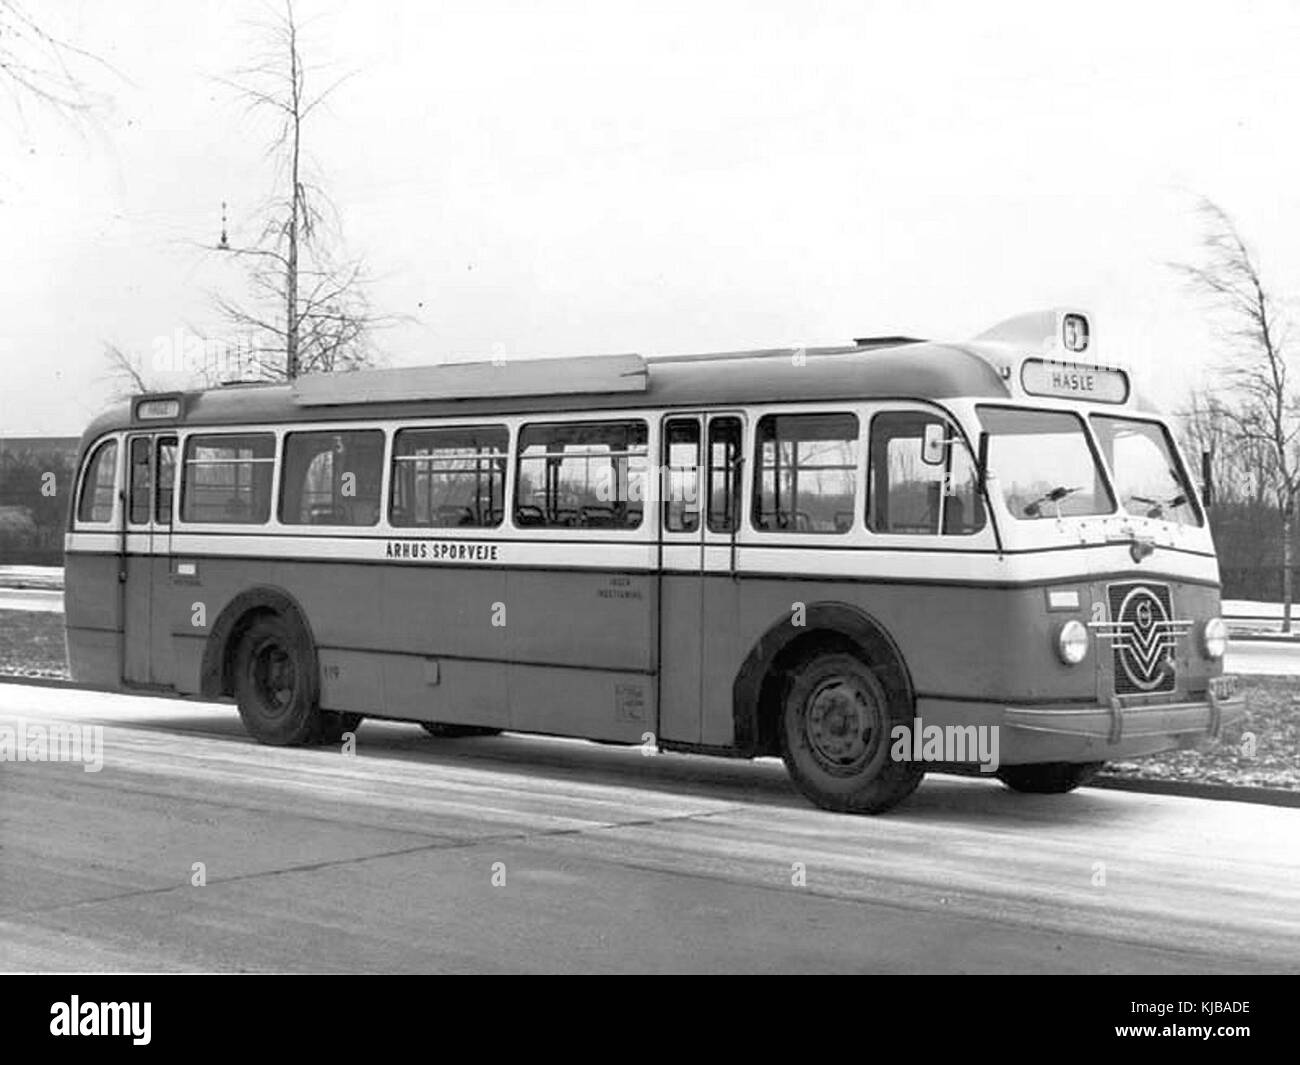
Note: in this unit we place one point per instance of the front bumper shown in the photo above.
(1124, 729)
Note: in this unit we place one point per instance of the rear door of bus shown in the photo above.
(150, 489)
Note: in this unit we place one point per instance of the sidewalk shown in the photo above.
(46, 577)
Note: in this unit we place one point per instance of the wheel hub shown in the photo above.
(840, 723)
(273, 674)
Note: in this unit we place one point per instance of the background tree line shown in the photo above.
(1246, 424)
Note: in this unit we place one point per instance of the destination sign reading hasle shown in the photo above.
(1074, 380)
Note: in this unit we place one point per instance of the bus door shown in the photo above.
(146, 565)
(700, 509)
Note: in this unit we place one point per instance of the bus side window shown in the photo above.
(581, 474)
(907, 496)
(166, 480)
(226, 478)
(98, 484)
(448, 478)
(140, 474)
(332, 478)
(805, 475)
(724, 474)
(682, 463)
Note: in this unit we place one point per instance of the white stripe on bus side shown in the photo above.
(884, 564)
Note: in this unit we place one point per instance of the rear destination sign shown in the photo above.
(1074, 380)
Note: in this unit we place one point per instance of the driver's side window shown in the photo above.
(906, 495)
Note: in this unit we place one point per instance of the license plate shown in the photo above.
(1223, 687)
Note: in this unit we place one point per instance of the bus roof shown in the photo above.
(900, 368)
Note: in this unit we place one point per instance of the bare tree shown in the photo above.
(311, 312)
(1260, 404)
(37, 65)
(124, 373)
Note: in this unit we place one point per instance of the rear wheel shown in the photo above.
(445, 731)
(274, 688)
(1048, 778)
(835, 736)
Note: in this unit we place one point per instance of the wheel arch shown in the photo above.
(216, 674)
(828, 626)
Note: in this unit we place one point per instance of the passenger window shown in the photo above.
(450, 478)
(584, 475)
(806, 473)
(724, 474)
(332, 478)
(682, 475)
(227, 478)
(908, 496)
(166, 479)
(140, 479)
(98, 484)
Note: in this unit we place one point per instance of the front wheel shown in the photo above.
(1048, 778)
(835, 736)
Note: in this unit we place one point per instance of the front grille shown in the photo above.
(1143, 635)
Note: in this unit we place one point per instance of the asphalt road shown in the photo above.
(604, 858)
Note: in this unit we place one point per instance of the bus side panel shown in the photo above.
(603, 626)
(418, 688)
(589, 703)
(680, 680)
(344, 606)
(956, 641)
(581, 618)
(433, 610)
(723, 640)
(92, 615)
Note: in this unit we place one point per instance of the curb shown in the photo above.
(1194, 790)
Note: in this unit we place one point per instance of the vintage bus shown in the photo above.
(804, 553)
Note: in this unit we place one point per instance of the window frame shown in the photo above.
(666, 469)
(113, 519)
(282, 481)
(647, 419)
(737, 475)
(183, 467)
(1194, 495)
(958, 432)
(756, 457)
(390, 471)
(161, 440)
(1095, 451)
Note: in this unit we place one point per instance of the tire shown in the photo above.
(1048, 778)
(275, 685)
(835, 736)
(445, 731)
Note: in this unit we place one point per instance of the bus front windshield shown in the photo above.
(1145, 470)
(1042, 464)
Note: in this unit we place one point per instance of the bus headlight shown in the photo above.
(1072, 643)
(1214, 638)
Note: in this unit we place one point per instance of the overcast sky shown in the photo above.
(556, 178)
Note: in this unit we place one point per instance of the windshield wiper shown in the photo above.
(1054, 496)
(1158, 505)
